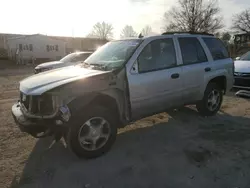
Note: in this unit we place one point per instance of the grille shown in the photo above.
(46, 105)
(40, 105)
(242, 82)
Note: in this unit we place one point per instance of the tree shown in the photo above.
(128, 31)
(241, 21)
(217, 34)
(225, 37)
(194, 16)
(147, 30)
(102, 30)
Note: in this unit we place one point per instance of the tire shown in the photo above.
(76, 125)
(203, 107)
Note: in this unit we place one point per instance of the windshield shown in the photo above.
(245, 57)
(113, 54)
(75, 57)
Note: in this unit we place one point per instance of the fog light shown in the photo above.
(65, 113)
(59, 122)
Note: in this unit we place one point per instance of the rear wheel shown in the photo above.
(92, 133)
(211, 102)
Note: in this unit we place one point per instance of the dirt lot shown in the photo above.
(173, 149)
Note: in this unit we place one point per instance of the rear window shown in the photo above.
(217, 48)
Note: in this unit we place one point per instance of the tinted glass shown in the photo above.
(217, 48)
(192, 51)
(158, 54)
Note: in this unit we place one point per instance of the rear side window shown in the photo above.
(217, 48)
(192, 51)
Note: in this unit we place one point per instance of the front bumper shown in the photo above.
(35, 127)
(19, 117)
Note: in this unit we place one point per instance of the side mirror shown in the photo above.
(237, 58)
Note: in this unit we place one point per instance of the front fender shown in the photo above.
(112, 98)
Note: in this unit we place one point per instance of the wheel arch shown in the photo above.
(112, 99)
(221, 81)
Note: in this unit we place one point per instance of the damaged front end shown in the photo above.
(41, 115)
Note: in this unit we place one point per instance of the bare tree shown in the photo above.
(225, 37)
(147, 30)
(128, 31)
(102, 30)
(194, 16)
(241, 21)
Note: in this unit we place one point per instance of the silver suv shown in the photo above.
(121, 82)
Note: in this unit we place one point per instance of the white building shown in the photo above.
(26, 48)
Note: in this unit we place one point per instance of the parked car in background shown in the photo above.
(242, 72)
(121, 82)
(69, 60)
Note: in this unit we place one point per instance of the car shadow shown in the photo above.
(168, 149)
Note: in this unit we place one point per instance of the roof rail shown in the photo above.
(188, 32)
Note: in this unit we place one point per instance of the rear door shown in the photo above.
(155, 78)
(195, 65)
(221, 64)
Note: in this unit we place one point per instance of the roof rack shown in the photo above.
(188, 32)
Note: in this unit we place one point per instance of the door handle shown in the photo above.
(207, 69)
(175, 75)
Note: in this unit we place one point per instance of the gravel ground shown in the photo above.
(172, 149)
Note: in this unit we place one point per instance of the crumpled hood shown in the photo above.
(242, 66)
(40, 83)
(49, 64)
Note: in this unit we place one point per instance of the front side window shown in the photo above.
(192, 51)
(158, 54)
(216, 48)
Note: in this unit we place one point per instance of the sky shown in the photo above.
(77, 17)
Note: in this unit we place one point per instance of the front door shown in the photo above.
(155, 80)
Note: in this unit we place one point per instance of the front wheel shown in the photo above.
(92, 133)
(212, 100)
